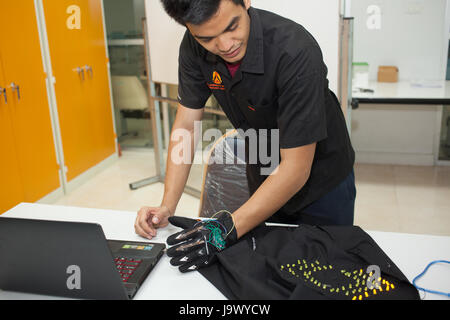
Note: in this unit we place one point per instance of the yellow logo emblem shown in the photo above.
(216, 78)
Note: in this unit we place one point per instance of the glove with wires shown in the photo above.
(196, 246)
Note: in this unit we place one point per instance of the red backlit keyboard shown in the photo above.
(126, 267)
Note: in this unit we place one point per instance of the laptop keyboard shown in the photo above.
(126, 267)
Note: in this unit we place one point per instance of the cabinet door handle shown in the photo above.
(15, 87)
(89, 71)
(3, 92)
(80, 72)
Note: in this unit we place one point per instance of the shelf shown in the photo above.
(126, 42)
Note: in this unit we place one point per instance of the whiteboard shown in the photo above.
(411, 35)
(319, 17)
(164, 38)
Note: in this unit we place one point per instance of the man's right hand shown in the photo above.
(149, 219)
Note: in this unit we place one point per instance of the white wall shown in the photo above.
(395, 134)
(414, 37)
(411, 37)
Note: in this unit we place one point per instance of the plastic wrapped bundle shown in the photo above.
(225, 184)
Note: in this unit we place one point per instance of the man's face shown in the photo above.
(226, 33)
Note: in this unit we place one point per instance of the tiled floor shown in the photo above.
(110, 188)
(410, 199)
(407, 199)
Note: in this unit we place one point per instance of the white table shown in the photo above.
(405, 92)
(411, 253)
(163, 283)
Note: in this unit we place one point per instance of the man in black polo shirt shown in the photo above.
(266, 72)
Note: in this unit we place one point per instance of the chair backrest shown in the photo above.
(225, 185)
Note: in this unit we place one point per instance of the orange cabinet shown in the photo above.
(11, 191)
(79, 63)
(28, 147)
(68, 119)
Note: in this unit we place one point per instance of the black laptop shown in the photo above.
(72, 259)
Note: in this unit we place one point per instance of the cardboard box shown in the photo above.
(387, 74)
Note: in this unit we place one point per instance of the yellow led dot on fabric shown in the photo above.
(360, 297)
(354, 298)
(374, 291)
(366, 294)
(387, 288)
(392, 286)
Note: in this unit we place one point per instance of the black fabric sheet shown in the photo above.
(308, 262)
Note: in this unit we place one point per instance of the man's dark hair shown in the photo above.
(193, 11)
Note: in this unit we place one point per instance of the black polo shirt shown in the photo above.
(281, 84)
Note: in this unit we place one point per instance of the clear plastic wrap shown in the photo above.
(225, 184)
